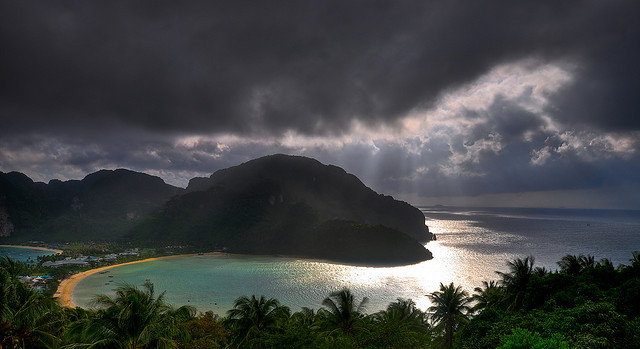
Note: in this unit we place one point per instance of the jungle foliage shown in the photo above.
(584, 304)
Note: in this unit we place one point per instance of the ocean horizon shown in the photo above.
(472, 244)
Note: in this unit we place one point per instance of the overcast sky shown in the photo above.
(453, 102)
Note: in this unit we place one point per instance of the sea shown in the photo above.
(23, 254)
(471, 245)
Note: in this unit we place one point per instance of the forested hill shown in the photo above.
(277, 204)
(329, 190)
(291, 205)
(102, 206)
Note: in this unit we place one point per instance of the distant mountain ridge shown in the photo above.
(277, 204)
(102, 206)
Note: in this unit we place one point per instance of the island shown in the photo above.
(275, 205)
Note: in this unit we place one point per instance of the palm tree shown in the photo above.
(517, 280)
(13, 267)
(489, 294)
(635, 259)
(134, 318)
(251, 316)
(541, 271)
(605, 263)
(587, 262)
(343, 312)
(403, 313)
(570, 264)
(27, 319)
(574, 265)
(306, 317)
(449, 310)
(401, 325)
(10, 285)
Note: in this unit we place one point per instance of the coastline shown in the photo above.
(65, 289)
(34, 248)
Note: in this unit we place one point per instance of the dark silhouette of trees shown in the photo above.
(517, 279)
(250, 317)
(134, 318)
(27, 319)
(583, 304)
(449, 310)
(574, 265)
(343, 312)
(401, 325)
(488, 295)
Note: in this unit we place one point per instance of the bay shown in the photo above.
(472, 243)
(23, 254)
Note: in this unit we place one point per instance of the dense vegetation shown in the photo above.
(102, 206)
(330, 191)
(279, 204)
(585, 304)
(290, 205)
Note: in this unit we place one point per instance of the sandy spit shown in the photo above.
(34, 248)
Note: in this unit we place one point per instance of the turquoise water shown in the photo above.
(213, 282)
(472, 244)
(23, 254)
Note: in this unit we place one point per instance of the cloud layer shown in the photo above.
(423, 99)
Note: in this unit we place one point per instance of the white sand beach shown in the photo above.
(34, 248)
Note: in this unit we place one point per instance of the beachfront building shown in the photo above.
(110, 257)
(130, 253)
(133, 252)
(36, 283)
(81, 261)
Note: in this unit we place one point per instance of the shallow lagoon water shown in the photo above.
(23, 254)
(213, 282)
(472, 244)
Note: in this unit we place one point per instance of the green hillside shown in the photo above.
(292, 206)
(102, 206)
(277, 204)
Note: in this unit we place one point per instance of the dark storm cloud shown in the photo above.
(506, 119)
(604, 93)
(497, 156)
(431, 98)
(312, 67)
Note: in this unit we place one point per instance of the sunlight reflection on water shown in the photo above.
(467, 252)
(213, 282)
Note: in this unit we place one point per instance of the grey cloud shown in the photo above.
(506, 119)
(313, 67)
(604, 93)
(88, 85)
(416, 166)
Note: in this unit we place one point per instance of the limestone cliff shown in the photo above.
(291, 205)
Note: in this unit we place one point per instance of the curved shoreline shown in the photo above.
(65, 289)
(34, 248)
